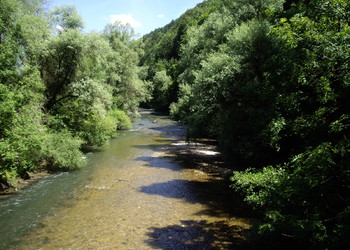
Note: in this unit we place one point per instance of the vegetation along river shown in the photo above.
(132, 195)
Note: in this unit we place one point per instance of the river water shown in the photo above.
(130, 196)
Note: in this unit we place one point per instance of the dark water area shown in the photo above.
(130, 196)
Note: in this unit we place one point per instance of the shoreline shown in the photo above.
(22, 184)
(178, 190)
(204, 159)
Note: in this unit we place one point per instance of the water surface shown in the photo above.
(128, 197)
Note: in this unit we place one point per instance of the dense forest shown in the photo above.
(269, 79)
(61, 89)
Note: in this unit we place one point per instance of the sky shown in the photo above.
(143, 15)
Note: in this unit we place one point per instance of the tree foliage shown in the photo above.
(270, 81)
(61, 88)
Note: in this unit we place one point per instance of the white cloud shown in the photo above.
(160, 15)
(125, 19)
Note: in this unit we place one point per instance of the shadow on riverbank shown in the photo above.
(210, 187)
(211, 182)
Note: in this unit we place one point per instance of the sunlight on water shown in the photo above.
(127, 197)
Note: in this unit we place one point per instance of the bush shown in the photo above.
(305, 201)
(123, 121)
(96, 130)
(61, 151)
(21, 144)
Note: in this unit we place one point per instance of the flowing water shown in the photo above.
(128, 197)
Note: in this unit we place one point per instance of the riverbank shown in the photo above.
(201, 155)
(147, 189)
(203, 158)
(20, 184)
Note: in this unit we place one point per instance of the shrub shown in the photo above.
(123, 121)
(61, 151)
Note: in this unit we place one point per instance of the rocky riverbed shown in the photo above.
(149, 189)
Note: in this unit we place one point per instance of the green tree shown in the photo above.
(65, 18)
(60, 88)
(305, 198)
(123, 74)
(24, 139)
(59, 63)
(269, 79)
(162, 85)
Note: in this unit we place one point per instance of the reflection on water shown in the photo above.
(128, 197)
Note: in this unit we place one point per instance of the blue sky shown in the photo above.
(143, 15)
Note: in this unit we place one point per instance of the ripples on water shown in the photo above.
(128, 197)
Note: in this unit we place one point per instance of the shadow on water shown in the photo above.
(189, 207)
(191, 234)
(206, 163)
(209, 186)
(214, 191)
(218, 199)
(188, 154)
(156, 162)
(177, 189)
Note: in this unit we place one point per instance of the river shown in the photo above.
(130, 196)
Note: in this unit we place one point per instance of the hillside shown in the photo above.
(270, 81)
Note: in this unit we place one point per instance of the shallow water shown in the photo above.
(128, 197)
